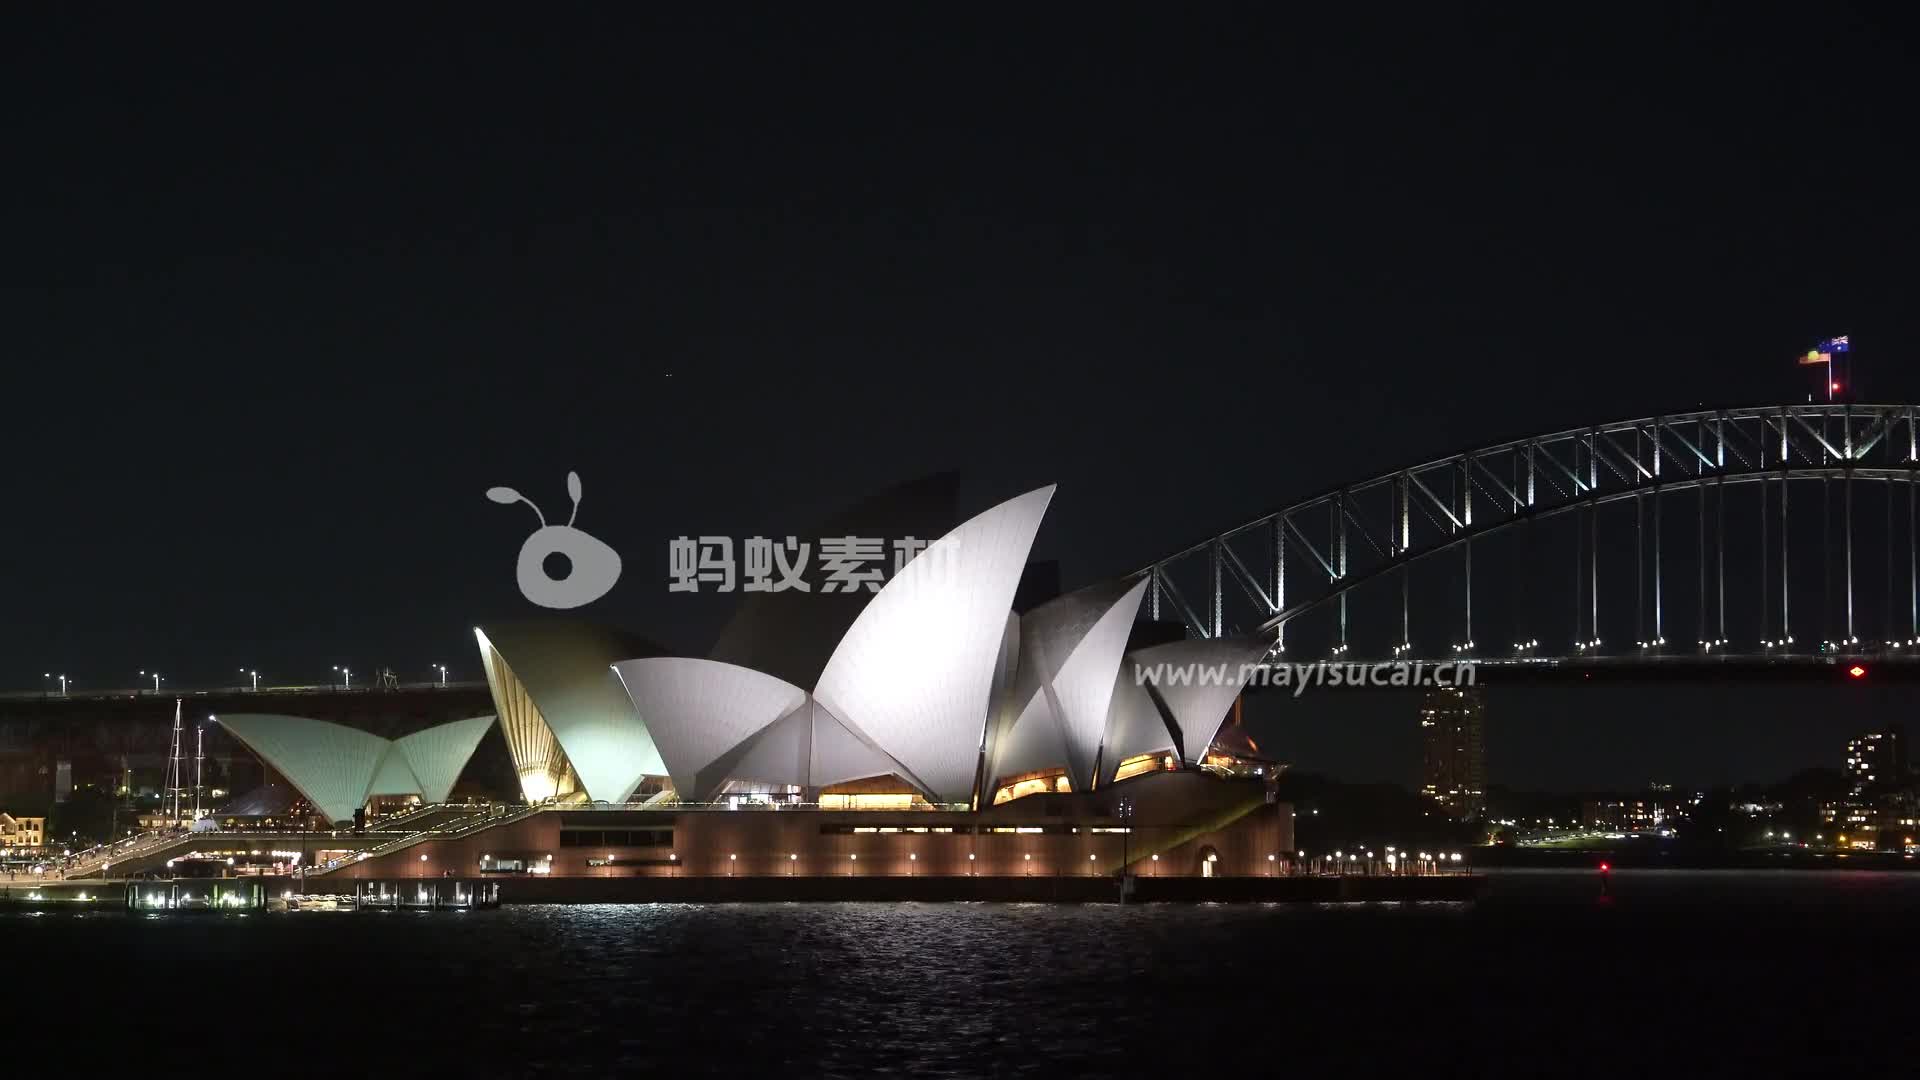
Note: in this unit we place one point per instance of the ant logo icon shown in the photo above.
(595, 566)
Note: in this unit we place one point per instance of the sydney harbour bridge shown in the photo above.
(1779, 535)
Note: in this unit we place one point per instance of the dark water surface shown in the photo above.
(1701, 973)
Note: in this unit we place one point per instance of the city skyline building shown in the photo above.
(1454, 751)
(1876, 759)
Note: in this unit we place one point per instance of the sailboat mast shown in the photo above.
(199, 764)
(173, 761)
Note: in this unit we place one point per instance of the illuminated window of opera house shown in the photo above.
(1033, 783)
(873, 793)
(1144, 763)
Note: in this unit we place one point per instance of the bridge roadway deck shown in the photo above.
(1901, 667)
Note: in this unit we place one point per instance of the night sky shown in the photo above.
(282, 300)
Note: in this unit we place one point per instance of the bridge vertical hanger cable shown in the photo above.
(1279, 581)
(1400, 544)
(1639, 568)
(1579, 577)
(1659, 600)
(1913, 555)
(1579, 558)
(1659, 609)
(1700, 565)
(1846, 483)
(1340, 560)
(1526, 563)
(1826, 530)
(1466, 516)
(1216, 611)
(1786, 559)
(1786, 472)
(1766, 574)
(1720, 553)
(1720, 524)
(1593, 529)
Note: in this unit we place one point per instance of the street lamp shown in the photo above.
(63, 682)
(254, 675)
(423, 865)
(156, 679)
(345, 673)
(442, 668)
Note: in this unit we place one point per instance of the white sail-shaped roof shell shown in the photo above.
(838, 754)
(330, 764)
(698, 710)
(1196, 682)
(1069, 650)
(914, 674)
(393, 776)
(1033, 739)
(565, 670)
(780, 753)
(438, 754)
(1134, 723)
(338, 768)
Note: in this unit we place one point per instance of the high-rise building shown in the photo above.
(1877, 760)
(1454, 770)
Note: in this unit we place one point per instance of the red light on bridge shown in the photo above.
(1857, 671)
(1604, 868)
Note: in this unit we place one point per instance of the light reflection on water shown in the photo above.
(803, 990)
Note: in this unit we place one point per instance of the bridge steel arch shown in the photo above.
(1357, 534)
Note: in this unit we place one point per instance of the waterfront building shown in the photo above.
(21, 834)
(1454, 750)
(1650, 812)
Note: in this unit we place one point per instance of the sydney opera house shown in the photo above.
(929, 727)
